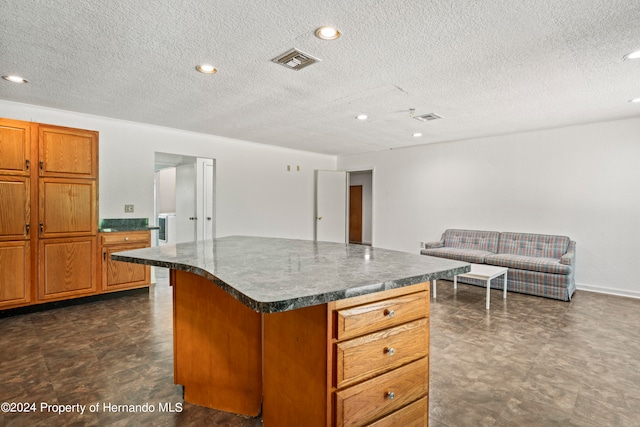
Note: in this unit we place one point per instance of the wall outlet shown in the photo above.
(128, 208)
(421, 245)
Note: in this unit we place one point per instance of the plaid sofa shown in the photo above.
(539, 264)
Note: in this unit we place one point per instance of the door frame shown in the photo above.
(346, 213)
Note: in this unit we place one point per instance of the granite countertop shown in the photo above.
(114, 225)
(272, 275)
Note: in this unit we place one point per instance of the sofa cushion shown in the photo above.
(533, 245)
(466, 255)
(476, 240)
(522, 262)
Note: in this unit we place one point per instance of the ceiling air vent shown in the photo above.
(427, 117)
(295, 59)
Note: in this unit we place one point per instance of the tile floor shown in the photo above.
(527, 362)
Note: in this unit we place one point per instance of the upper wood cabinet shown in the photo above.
(67, 152)
(67, 207)
(15, 147)
(15, 208)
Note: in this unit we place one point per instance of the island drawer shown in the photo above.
(366, 318)
(382, 395)
(362, 357)
(413, 415)
(122, 237)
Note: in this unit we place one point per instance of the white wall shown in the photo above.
(580, 181)
(255, 195)
(166, 190)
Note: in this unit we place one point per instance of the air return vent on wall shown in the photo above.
(295, 59)
(427, 117)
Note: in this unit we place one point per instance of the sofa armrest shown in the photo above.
(570, 257)
(432, 245)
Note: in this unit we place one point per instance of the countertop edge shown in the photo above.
(304, 301)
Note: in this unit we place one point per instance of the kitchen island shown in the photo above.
(310, 333)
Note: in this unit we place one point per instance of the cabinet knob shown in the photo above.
(390, 351)
(389, 313)
(126, 238)
(27, 226)
(391, 395)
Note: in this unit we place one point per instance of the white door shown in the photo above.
(205, 200)
(186, 203)
(331, 206)
(209, 221)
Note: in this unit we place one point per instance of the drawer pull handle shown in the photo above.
(390, 351)
(391, 395)
(389, 313)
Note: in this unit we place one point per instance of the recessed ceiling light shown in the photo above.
(327, 33)
(632, 55)
(15, 79)
(417, 135)
(206, 69)
(635, 100)
(362, 117)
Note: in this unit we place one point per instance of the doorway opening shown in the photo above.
(184, 191)
(360, 207)
(344, 206)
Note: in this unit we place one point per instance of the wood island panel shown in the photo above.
(217, 346)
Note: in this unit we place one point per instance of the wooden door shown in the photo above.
(68, 152)
(67, 207)
(15, 146)
(355, 214)
(14, 208)
(15, 273)
(67, 267)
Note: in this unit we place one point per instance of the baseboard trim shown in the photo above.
(608, 291)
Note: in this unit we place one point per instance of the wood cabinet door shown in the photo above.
(67, 207)
(67, 267)
(118, 275)
(68, 152)
(15, 146)
(14, 208)
(15, 273)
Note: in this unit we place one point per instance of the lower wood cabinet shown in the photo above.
(118, 275)
(361, 361)
(67, 268)
(15, 273)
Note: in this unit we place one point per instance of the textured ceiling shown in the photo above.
(488, 67)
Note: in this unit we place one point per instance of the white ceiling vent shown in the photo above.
(295, 59)
(427, 117)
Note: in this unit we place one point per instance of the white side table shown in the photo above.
(482, 272)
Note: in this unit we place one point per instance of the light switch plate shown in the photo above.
(128, 208)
